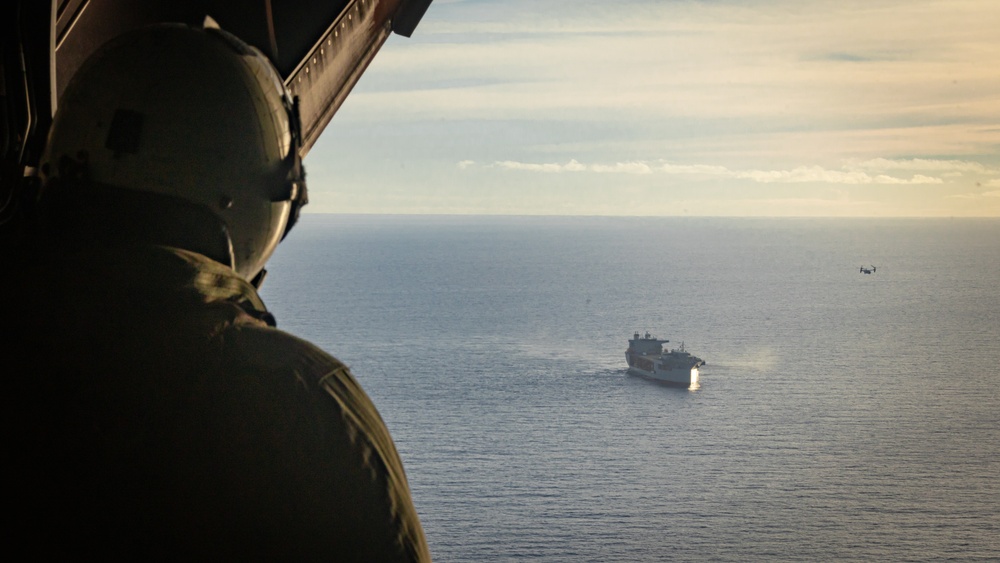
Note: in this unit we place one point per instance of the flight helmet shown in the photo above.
(182, 136)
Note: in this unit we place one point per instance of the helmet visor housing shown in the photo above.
(187, 113)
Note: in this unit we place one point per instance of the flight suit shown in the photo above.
(153, 412)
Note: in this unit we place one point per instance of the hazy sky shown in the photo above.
(643, 107)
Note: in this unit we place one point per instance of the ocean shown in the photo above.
(841, 416)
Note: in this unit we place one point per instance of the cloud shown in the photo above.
(533, 167)
(801, 174)
(574, 166)
(694, 169)
(806, 174)
(979, 195)
(845, 57)
(626, 167)
(779, 59)
(818, 174)
(747, 99)
(922, 164)
(916, 179)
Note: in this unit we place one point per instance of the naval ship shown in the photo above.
(647, 358)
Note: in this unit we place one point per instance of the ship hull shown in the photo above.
(680, 377)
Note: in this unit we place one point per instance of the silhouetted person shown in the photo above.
(154, 411)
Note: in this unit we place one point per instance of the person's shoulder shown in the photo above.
(269, 349)
(306, 379)
(288, 359)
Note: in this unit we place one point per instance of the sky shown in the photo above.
(663, 108)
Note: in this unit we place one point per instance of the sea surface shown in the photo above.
(841, 416)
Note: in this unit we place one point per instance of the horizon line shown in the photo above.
(610, 216)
